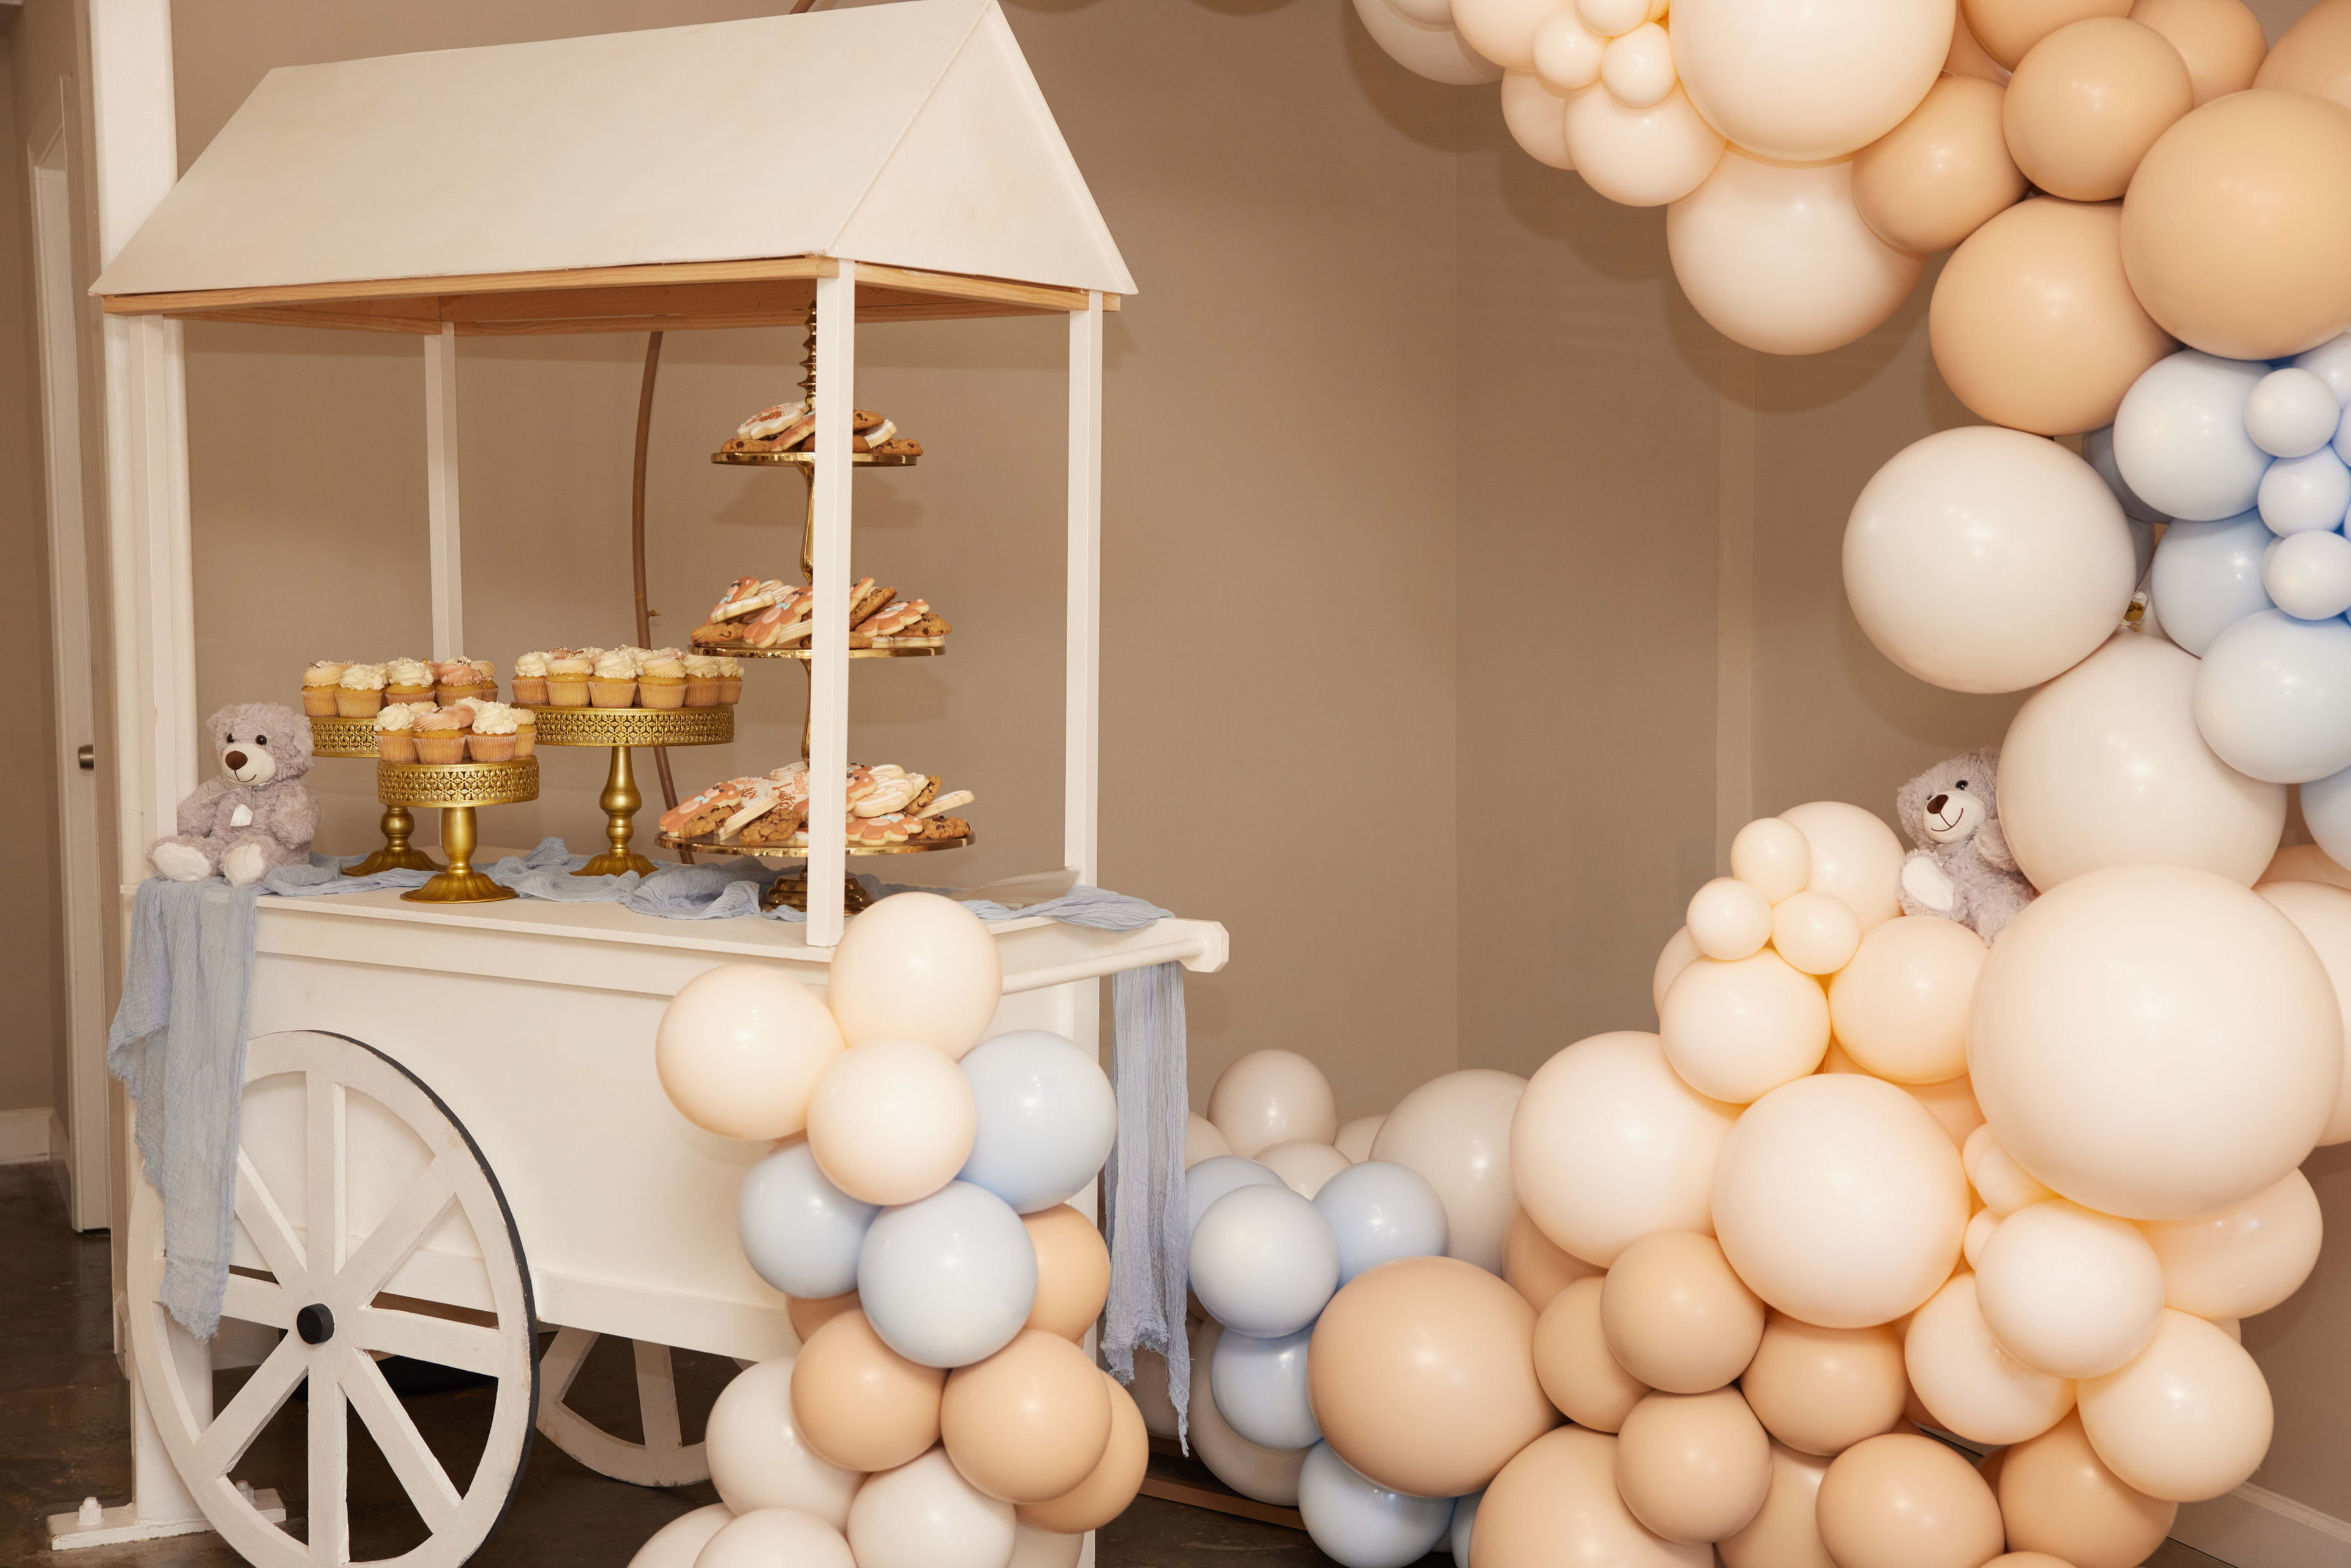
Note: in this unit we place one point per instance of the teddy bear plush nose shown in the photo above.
(1935, 803)
(236, 759)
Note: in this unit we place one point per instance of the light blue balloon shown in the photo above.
(2098, 451)
(800, 1233)
(1380, 1212)
(2180, 441)
(1264, 1261)
(1047, 1117)
(2309, 575)
(2326, 807)
(2208, 577)
(949, 1280)
(1260, 1387)
(1361, 1524)
(2273, 698)
(2304, 494)
(1212, 1177)
(1465, 1520)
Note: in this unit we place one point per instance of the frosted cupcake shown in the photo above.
(526, 731)
(530, 680)
(613, 683)
(360, 693)
(493, 736)
(701, 681)
(662, 682)
(567, 679)
(461, 677)
(408, 681)
(395, 731)
(441, 733)
(730, 680)
(318, 684)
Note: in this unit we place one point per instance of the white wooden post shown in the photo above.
(1082, 737)
(835, 394)
(441, 493)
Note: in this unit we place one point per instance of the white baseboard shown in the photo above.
(2253, 1527)
(25, 1135)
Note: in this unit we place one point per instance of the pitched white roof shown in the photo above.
(910, 135)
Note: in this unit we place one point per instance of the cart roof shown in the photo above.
(683, 176)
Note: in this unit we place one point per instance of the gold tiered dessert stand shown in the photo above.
(792, 888)
(457, 788)
(620, 728)
(355, 737)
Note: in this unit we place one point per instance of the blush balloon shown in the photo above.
(1815, 931)
(2188, 1419)
(891, 1121)
(1968, 1382)
(1031, 1422)
(1942, 173)
(1900, 1007)
(1856, 857)
(915, 967)
(1578, 1372)
(1735, 1031)
(2220, 40)
(1907, 1502)
(2245, 1261)
(1694, 1467)
(2058, 1497)
(1643, 157)
(2314, 56)
(2007, 29)
(2088, 101)
(740, 1048)
(2321, 912)
(1557, 1501)
(1677, 1317)
(1819, 1391)
(2069, 1292)
(1809, 81)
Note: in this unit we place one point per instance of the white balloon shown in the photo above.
(2230, 1266)
(1771, 855)
(1503, 30)
(2302, 494)
(678, 1543)
(2004, 1186)
(1967, 1381)
(1737, 1031)
(1380, 1212)
(1424, 49)
(915, 967)
(757, 1456)
(2292, 413)
(2069, 1292)
(2308, 575)
(1567, 53)
(1612, 18)
(768, 1536)
(1456, 1132)
(2180, 441)
(2331, 363)
(1303, 1166)
(1984, 559)
(1035, 1548)
(1856, 857)
(1269, 1097)
(1640, 157)
(1359, 1523)
(1260, 1387)
(1803, 80)
(1775, 256)
(2273, 698)
(1202, 1141)
(2190, 1419)
(1264, 1261)
(925, 1515)
(1680, 953)
(1354, 1139)
(2208, 577)
(1728, 919)
(1638, 68)
(1047, 1118)
(2323, 915)
(1536, 117)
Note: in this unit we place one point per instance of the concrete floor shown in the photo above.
(63, 1434)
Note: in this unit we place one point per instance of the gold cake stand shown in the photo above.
(791, 889)
(620, 728)
(456, 788)
(356, 737)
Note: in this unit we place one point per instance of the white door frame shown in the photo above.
(82, 1114)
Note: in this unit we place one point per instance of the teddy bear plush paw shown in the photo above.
(181, 863)
(245, 866)
(1928, 883)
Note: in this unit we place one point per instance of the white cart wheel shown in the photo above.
(330, 1310)
(663, 1459)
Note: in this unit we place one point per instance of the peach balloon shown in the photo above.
(809, 1314)
(1728, 919)
(915, 967)
(1694, 1467)
(1785, 78)
(1680, 953)
(1574, 1365)
(1979, 1236)
(1900, 1007)
(1269, 1097)
(1556, 1501)
(1031, 1422)
(2220, 40)
(1942, 173)
(1775, 257)
(1423, 1375)
(861, 1405)
(1968, 1384)
(2027, 1559)
(2058, 1497)
(1840, 1201)
(891, 1121)
(1303, 1167)
(1112, 1484)
(2188, 1420)
(1952, 1104)
(1072, 1272)
(2234, 229)
(1968, 58)
(1640, 157)
(739, 1050)
(1268, 1474)
(1856, 856)
(1536, 118)
(1786, 1533)
(2004, 1186)
(1425, 45)
(1151, 1395)
(1907, 1502)
(1815, 931)
(1503, 30)
(2315, 55)
(1455, 1131)
(1773, 857)
(2067, 1292)
(2034, 325)
(1535, 1266)
(2088, 101)
(2247, 1261)
(1677, 1317)
(1819, 1391)
(1567, 54)
(2007, 29)
(1608, 1144)
(2321, 912)
(1201, 1139)
(1735, 1031)
(2304, 862)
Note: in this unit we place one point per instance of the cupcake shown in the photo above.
(441, 733)
(730, 681)
(319, 683)
(360, 693)
(701, 681)
(530, 680)
(662, 682)
(493, 736)
(613, 681)
(526, 731)
(395, 731)
(461, 677)
(567, 679)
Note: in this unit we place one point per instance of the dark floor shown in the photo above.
(63, 1434)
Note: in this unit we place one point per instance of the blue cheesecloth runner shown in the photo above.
(178, 1044)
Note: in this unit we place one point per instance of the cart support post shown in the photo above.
(835, 394)
(446, 566)
(1082, 740)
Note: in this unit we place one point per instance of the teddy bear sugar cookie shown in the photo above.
(1962, 869)
(258, 814)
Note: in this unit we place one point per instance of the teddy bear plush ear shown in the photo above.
(1993, 845)
(1910, 805)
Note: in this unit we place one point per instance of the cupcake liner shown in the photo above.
(701, 691)
(653, 692)
(440, 746)
(395, 745)
(353, 702)
(530, 691)
(318, 702)
(729, 688)
(407, 694)
(610, 693)
(491, 748)
(526, 741)
(567, 693)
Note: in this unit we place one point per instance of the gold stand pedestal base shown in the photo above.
(790, 890)
(397, 854)
(618, 863)
(460, 884)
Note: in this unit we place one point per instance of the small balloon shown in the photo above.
(1772, 856)
(2180, 441)
(1379, 1212)
(1969, 1384)
(1272, 1097)
(1579, 1373)
(799, 1232)
(1359, 1523)
(2273, 698)
(2292, 413)
(2208, 577)
(1260, 1387)
(2308, 575)
(2188, 1419)
(1907, 1502)
(1264, 1261)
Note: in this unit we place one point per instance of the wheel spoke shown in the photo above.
(260, 1301)
(434, 1496)
(381, 1254)
(329, 1469)
(469, 1347)
(266, 1224)
(324, 1127)
(232, 1431)
(657, 1397)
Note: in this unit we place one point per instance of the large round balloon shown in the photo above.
(2273, 698)
(1268, 1474)
(2245, 1261)
(915, 967)
(2104, 766)
(2314, 56)
(1677, 1317)
(2180, 439)
(859, 1403)
(891, 1121)
(2006, 30)
(1939, 176)
(1735, 1031)
(2234, 226)
(1900, 1007)
(758, 1457)
(1839, 1201)
(2069, 1292)
(1536, 118)
(1819, 1391)
(1557, 1501)
(1429, 47)
(2220, 40)
(1578, 1372)
(739, 1050)
(1422, 1374)
(2058, 1497)
(1271, 1097)
(1031, 1422)
(1360, 1523)
(1788, 79)
(2323, 915)
(2088, 101)
(1642, 157)
(1106, 1492)
(1455, 1131)
(2034, 325)
(2189, 1419)
(950, 1280)
(1046, 1118)
(799, 1232)
(1694, 1467)
(1983, 560)
(1776, 256)
(925, 1515)
(2155, 1042)
(1264, 1261)
(1609, 1145)
(1855, 856)
(1907, 1502)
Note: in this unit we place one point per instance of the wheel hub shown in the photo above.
(315, 1324)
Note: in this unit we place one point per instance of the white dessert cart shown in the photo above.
(453, 1135)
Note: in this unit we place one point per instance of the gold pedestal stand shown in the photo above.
(457, 788)
(356, 737)
(620, 728)
(790, 890)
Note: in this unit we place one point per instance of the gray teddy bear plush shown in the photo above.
(1962, 869)
(260, 814)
